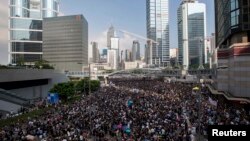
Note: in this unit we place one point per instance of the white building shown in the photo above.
(191, 28)
(173, 52)
(112, 59)
(133, 65)
(129, 65)
(158, 30)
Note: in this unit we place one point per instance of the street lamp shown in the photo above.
(199, 109)
(89, 78)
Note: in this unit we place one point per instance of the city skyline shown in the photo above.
(131, 17)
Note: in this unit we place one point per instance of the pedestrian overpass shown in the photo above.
(142, 72)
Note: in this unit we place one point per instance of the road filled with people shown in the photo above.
(136, 109)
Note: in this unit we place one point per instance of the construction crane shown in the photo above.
(150, 42)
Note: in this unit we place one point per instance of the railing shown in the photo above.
(10, 97)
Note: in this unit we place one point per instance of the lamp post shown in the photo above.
(199, 108)
(89, 78)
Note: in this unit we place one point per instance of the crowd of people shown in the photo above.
(130, 109)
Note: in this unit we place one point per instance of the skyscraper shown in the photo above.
(25, 24)
(136, 51)
(191, 32)
(113, 53)
(158, 29)
(127, 58)
(65, 42)
(110, 34)
(95, 52)
(146, 55)
(112, 59)
(232, 33)
(104, 52)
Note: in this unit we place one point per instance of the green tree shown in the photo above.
(83, 85)
(207, 66)
(68, 89)
(3, 67)
(20, 61)
(94, 85)
(65, 90)
(43, 64)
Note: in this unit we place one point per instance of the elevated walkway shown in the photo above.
(12, 98)
(228, 96)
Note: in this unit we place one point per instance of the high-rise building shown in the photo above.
(136, 51)
(158, 30)
(65, 42)
(104, 52)
(127, 58)
(113, 57)
(95, 52)
(25, 28)
(191, 33)
(174, 56)
(146, 55)
(130, 55)
(232, 26)
(110, 34)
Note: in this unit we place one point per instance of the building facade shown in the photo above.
(158, 30)
(25, 28)
(104, 52)
(136, 51)
(110, 34)
(95, 52)
(174, 56)
(213, 54)
(65, 42)
(112, 59)
(232, 20)
(127, 58)
(191, 33)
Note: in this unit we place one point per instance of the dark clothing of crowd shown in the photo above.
(129, 109)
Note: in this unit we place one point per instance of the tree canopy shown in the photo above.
(68, 89)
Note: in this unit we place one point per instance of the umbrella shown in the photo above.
(196, 88)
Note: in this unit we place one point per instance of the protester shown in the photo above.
(129, 109)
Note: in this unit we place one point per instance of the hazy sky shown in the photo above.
(129, 15)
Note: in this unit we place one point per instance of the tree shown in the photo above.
(207, 66)
(64, 90)
(83, 85)
(20, 61)
(94, 84)
(68, 89)
(3, 67)
(43, 64)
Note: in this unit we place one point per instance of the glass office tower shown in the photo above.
(191, 27)
(25, 28)
(65, 42)
(158, 30)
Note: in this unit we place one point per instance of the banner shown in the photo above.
(212, 102)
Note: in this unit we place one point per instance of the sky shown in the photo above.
(129, 15)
